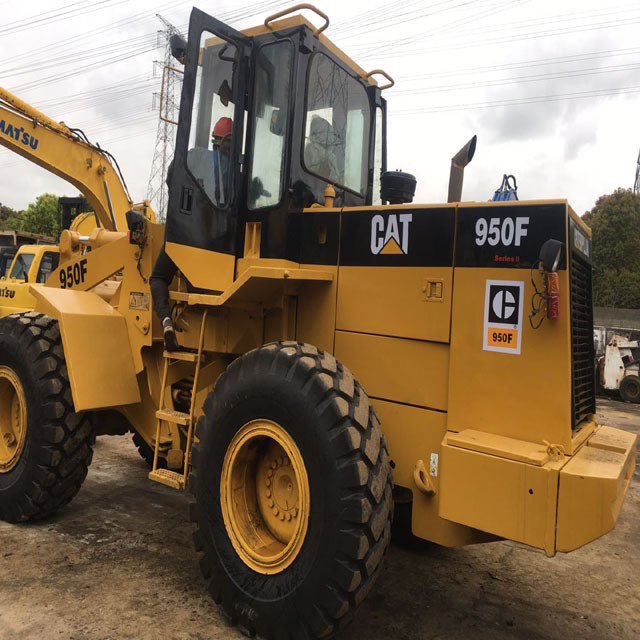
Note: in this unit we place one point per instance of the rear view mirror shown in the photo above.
(550, 255)
(178, 47)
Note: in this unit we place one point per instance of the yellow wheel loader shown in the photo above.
(332, 333)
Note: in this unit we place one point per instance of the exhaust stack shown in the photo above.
(458, 163)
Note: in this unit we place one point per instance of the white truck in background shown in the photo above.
(619, 368)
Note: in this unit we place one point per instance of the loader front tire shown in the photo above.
(46, 447)
(292, 486)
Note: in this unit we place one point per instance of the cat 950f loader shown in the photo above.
(335, 335)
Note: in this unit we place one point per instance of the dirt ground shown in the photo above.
(118, 563)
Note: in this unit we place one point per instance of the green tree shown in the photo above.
(41, 216)
(10, 219)
(615, 222)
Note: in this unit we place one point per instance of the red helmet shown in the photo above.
(223, 127)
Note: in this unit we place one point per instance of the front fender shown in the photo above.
(96, 347)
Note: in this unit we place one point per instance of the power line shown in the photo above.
(499, 82)
(520, 101)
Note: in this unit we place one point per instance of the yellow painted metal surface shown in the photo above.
(593, 485)
(518, 450)
(391, 301)
(13, 419)
(203, 269)
(407, 371)
(416, 434)
(96, 347)
(265, 496)
(526, 396)
(316, 311)
(507, 498)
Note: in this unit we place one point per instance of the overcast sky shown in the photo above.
(552, 89)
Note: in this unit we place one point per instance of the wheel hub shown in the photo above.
(13, 419)
(264, 495)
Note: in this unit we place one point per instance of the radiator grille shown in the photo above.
(582, 351)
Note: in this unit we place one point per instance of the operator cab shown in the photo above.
(268, 119)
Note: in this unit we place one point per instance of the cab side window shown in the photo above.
(336, 142)
(49, 262)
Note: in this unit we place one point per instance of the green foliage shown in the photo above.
(10, 219)
(615, 222)
(41, 216)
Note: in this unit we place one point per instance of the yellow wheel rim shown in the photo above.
(13, 419)
(264, 494)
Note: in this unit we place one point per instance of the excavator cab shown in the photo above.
(268, 119)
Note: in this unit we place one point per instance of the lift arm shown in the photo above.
(61, 150)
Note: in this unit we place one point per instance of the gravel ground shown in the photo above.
(118, 563)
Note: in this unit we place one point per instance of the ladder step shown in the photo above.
(177, 417)
(168, 478)
(187, 356)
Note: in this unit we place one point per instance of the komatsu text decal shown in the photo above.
(19, 134)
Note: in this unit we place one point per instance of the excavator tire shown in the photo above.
(45, 449)
(292, 486)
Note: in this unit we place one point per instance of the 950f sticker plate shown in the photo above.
(503, 305)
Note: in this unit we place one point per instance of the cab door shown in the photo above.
(205, 180)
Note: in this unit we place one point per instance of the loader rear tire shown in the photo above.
(292, 486)
(52, 442)
(630, 389)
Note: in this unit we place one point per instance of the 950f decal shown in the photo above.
(508, 236)
(503, 304)
(73, 274)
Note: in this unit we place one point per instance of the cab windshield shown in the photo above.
(21, 266)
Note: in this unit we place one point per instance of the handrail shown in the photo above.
(296, 7)
(381, 73)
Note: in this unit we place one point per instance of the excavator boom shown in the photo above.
(63, 152)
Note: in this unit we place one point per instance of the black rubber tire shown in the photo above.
(146, 452)
(57, 450)
(630, 389)
(328, 415)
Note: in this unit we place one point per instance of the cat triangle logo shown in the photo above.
(391, 248)
(390, 234)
